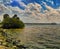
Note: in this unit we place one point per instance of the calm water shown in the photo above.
(38, 36)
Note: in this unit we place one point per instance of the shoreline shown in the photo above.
(41, 24)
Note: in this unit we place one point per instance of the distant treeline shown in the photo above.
(41, 23)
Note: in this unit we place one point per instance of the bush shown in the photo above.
(13, 22)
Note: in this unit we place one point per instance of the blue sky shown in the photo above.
(52, 3)
(34, 12)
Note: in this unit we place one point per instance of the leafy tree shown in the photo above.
(15, 16)
(5, 16)
(17, 22)
(5, 22)
(13, 22)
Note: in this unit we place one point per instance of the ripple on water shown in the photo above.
(39, 36)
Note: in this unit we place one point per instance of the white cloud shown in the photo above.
(17, 0)
(22, 4)
(15, 9)
(4, 9)
(50, 1)
(33, 14)
(33, 11)
(58, 9)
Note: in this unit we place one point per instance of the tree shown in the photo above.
(13, 22)
(17, 22)
(5, 21)
(15, 16)
(5, 16)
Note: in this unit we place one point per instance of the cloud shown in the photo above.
(4, 9)
(58, 9)
(33, 13)
(6, 1)
(22, 4)
(50, 1)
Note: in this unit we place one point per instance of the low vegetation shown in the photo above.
(7, 42)
(13, 22)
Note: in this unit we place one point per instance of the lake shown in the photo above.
(38, 36)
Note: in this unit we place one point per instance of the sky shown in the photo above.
(33, 11)
(52, 3)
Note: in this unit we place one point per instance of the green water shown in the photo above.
(38, 36)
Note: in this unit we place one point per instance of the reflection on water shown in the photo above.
(38, 36)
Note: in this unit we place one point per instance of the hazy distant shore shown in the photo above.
(42, 23)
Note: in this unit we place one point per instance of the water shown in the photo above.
(38, 36)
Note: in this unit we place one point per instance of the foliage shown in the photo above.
(13, 22)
